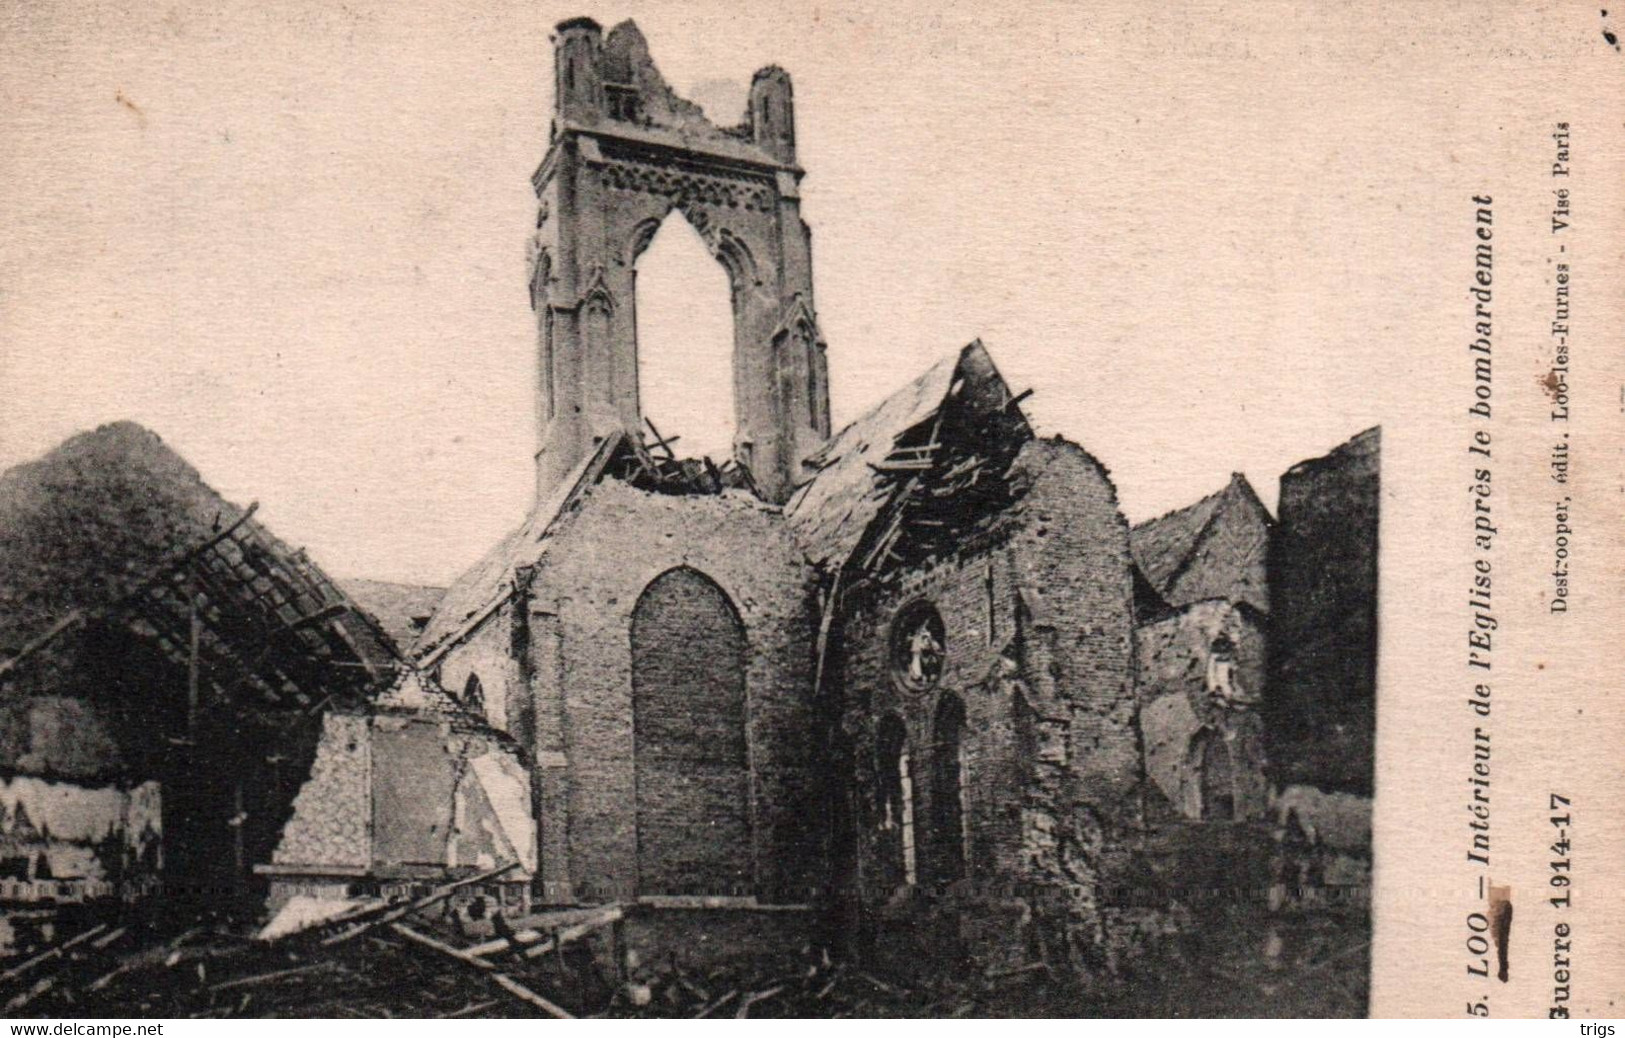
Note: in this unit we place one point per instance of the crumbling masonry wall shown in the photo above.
(1187, 697)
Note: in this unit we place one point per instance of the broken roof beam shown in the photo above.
(292, 671)
(428, 900)
(78, 616)
(890, 466)
(661, 442)
(882, 550)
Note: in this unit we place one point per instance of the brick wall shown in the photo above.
(567, 641)
(688, 725)
(488, 653)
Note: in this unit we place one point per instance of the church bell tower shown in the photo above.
(624, 152)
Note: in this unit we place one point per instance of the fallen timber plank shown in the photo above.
(502, 980)
(166, 954)
(262, 978)
(714, 1006)
(524, 994)
(544, 920)
(469, 1010)
(428, 900)
(106, 939)
(760, 996)
(40, 987)
(584, 923)
(55, 951)
(574, 933)
(443, 948)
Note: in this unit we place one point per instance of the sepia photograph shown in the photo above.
(805, 511)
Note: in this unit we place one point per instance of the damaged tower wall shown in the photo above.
(1038, 632)
(1321, 713)
(626, 153)
(605, 577)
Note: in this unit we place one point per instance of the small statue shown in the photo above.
(924, 654)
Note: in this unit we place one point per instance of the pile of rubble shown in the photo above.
(411, 961)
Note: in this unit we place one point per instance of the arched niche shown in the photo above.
(691, 758)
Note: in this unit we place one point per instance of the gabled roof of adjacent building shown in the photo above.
(402, 610)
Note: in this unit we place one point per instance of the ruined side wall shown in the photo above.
(332, 814)
(1075, 560)
(1039, 645)
(977, 597)
(582, 600)
(489, 654)
(1174, 657)
(1321, 713)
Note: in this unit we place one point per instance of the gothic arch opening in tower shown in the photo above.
(685, 337)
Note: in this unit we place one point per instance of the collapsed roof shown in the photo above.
(908, 458)
(122, 575)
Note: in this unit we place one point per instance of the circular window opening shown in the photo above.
(917, 641)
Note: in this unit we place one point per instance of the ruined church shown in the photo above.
(911, 655)
(916, 680)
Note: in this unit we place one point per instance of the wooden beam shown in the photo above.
(433, 897)
(467, 958)
(568, 934)
(502, 980)
(533, 928)
(51, 953)
(524, 994)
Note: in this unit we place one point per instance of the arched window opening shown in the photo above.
(1221, 668)
(474, 695)
(1215, 777)
(895, 797)
(549, 366)
(809, 352)
(690, 759)
(600, 361)
(949, 831)
(685, 336)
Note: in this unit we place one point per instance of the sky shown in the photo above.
(290, 238)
